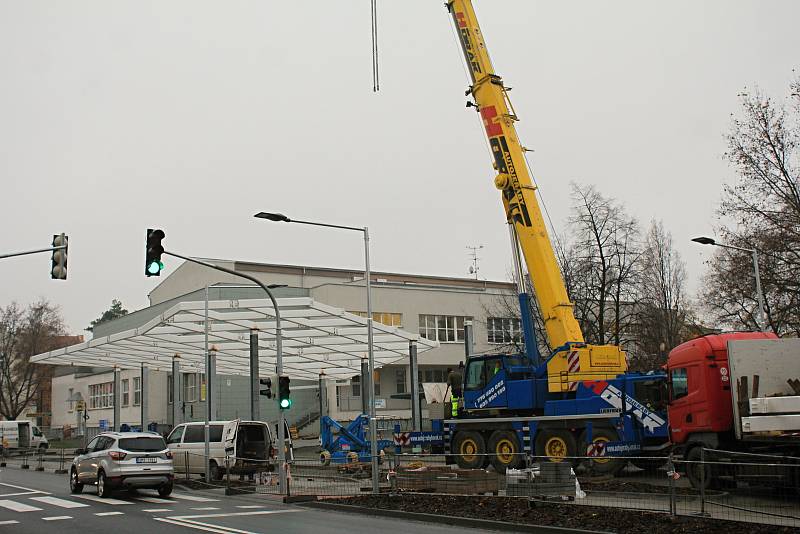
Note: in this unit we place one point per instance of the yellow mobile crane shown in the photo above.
(572, 360)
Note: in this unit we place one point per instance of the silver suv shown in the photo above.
(123, 460)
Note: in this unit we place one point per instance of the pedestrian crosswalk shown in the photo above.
(47, 504)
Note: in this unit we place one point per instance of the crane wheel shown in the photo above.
(325, 458)
(470, 449)
(505, 450)
(555, 445)
(599, 463)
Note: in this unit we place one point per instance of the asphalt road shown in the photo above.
(36, 502)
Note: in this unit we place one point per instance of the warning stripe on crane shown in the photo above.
(402, 438)
(573, 366)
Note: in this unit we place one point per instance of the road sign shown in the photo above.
(103, 424)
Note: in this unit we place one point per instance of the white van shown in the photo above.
(248, 443)
(21, 435)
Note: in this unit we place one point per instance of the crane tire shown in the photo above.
(555, 445)
(470, 449)
(505, 450)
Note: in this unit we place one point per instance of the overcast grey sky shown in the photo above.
(193, 115)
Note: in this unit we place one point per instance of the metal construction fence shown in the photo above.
(716, 484)
(761, 489)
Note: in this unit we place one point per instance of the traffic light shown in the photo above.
(58, 262)
(268, 383)
(283, 393)
(153, 252)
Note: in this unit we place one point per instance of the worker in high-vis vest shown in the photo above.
(454, 380)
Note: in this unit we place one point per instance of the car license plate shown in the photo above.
(147, 460)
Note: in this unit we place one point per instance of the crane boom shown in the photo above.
(523, 214)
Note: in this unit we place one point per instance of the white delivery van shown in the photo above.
(249, 444)
(21, 435)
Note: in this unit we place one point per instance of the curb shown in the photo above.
(449, 520)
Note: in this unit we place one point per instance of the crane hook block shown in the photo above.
(502, 181)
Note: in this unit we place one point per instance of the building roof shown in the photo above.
(317, 338)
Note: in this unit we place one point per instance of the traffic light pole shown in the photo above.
(279, 356)
(38, 250)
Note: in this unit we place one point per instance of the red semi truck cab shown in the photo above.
(700, 388)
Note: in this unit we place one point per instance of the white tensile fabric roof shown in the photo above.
(316, 338)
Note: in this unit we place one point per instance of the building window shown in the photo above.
(71, 399)
(137, 390)
(169, 389)
(400, 379)
(355, 383)
(442, 328)
(190, 387)
(203, 386)
(432, 375)
(387, 318)
(503, 329)
(125, 393)
(101, 395)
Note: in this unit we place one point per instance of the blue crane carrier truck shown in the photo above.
(578, 400)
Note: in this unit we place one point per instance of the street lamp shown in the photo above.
(373, 437)
(754, 252)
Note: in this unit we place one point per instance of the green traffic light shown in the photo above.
(285, 403)
(155, 267)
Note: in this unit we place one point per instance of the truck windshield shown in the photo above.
(143, 444)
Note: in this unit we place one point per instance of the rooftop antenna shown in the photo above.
(474, 268)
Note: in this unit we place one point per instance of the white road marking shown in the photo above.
(59, 502)
(197, 527)
(250, 506)
(18, 506)
(99, 499)
(205, 508)
(155, 500)
(155, 510)
(195, 498)
(233, 514)
(190, 521)
(29, 490)
(103, 514)
(12, 522)
(57, 517)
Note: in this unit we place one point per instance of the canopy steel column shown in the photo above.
(144, 385)
(365, 383)
(416, 408)
(117, 396)
(255, 414)
(211, 389)
(323, 395)
(176, 391)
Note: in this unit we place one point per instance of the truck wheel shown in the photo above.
(470, 450)
(554, 445)
(600, 463)
(325, 458)
(694, 469)
(505, 450)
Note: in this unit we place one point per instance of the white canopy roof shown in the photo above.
(316, 338)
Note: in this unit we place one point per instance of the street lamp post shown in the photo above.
(754, 252)
(373, 434)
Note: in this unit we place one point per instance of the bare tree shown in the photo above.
(24, 333)
(605, 252)
(762, 210)
(663, 310)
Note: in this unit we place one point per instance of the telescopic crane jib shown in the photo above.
(572, 359)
